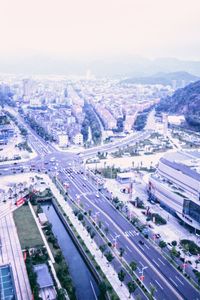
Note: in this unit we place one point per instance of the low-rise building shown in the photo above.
(45, 282)
(63, 140)
(78, 139)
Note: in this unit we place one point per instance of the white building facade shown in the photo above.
(176, 185)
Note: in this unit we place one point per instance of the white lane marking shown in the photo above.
(135, 248)
(146, 246)
(173, 281)
(128, 249)
(141, 263)
(161, 261)
(141, 247)
(159, 284)
(153, 285)
(179, 280)
(112, 237)
(156, 263)
(86, 204)
(93, 290)
(132, 233)
(107, 223)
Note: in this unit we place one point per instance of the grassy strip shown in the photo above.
(28, 232)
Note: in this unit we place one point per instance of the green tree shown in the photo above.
(121, 252)
(100, 224)
(106, 230)
(61, 294)
(173, 252)
(162, 244)
(152, 291)
(102, 290)
(197, 262)
(121, 275)
(133, 266)
(103, 248)
(109, 256)
(174, 243)
(80, 217)
(131, 288)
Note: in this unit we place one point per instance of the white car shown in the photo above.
(169, 246)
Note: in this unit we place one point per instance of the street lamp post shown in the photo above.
(96, 216)
(115, 241)
(142, 272)
(78, 199)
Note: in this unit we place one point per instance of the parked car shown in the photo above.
(141, 242)
(169, 246)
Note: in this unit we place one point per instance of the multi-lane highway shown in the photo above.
(169, 283)
(131, 139)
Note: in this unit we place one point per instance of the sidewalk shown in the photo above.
(11, 254)
(112, 276)
(41, 233)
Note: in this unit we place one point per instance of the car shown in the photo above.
(97, 195)
(158, 235)
(84, 185)
(169, 246)
(150, 226)
(141, 242)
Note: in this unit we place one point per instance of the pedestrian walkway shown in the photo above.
(7, 207)
(10, 253)
(112, 276)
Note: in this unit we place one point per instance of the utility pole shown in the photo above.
(142, 273)
(78, 199)
(115, 241)
(96, 216)
(131, 190)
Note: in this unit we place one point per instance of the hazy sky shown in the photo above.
(79, 28)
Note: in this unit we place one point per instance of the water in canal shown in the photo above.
(84, 282)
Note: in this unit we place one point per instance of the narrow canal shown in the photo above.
(84, 282)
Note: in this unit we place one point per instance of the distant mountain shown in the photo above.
(122, 66)
(179, 79)
(184, 101)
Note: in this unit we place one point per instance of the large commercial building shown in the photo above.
(176, 185)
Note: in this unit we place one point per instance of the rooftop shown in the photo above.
(43, 276)
(187, 162)
(7, 289)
